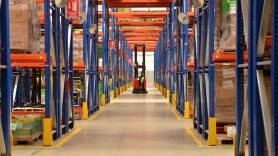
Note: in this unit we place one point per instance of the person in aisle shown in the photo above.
(141, 80)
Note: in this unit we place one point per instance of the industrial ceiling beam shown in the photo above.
(129, 15)
(147, 50)
(141, 23)
(142, 38)
(142, 42)
(137, 3)
(141, 35)
(141, 30)
(147, 45)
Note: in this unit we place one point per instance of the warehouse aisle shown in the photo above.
(132, 125)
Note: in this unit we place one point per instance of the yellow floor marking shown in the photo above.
(30, 147)
(189, 131)
(194, 137)
(96, 115)
(176, 114)
(59, 144)
(111, 103)
(68, 137)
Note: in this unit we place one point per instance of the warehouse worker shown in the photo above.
(141, 80)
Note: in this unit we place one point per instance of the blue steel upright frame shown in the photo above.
(180, 59)
(90, 58)
(59, 94)
(274, 77)
(172, 55)
(113, 57)
(204, 107)
(200, 96)
(6, 74)
(117, 63)
(167, 53)
(182, 65)
(262, 118)
(240, 78)
(105, 52)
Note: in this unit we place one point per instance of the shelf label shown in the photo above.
(72, 11)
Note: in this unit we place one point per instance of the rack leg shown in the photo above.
(212, 132)
(47, 132)
(85, 112)
(186, 110)
(174, 99)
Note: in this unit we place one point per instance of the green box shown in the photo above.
(226, 6)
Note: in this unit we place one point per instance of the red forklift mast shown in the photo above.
(139, 83)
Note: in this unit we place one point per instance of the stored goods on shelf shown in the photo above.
(225, 89)
(228, 26)
(26, 128)
(77, 48)
(24, 26)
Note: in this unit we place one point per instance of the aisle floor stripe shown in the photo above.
(68, 137)
(194, 137)
(96, 115)
(188, 130)
(59, 144)
(176, 114)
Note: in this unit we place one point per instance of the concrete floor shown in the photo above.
(132, 125)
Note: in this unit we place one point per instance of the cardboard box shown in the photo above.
(225, 93)
(24, 26)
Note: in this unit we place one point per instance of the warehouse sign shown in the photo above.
(72, 9)
(112, 44)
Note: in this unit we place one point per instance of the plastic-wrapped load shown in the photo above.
(225, 87)
(217, 24)
(228, 26)
(77, 47)
(24, 26)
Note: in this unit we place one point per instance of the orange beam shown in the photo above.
(129, 15)
(147, 50)
(28, 60)
(227, 57)
(142, 30)
(78, 66)
(142, 38)
(137, 3)
(147, 45)
(141, 23)
(142, 42)
(28, 113)
(268, 42)
(140, 35)
(190, 14)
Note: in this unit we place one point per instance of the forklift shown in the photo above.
(139, 83)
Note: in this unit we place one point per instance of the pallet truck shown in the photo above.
(139, 83)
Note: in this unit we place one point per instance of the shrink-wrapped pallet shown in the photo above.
(77, 48)
(225, 93)
(228, 26)
(24, 26)
(217, 24)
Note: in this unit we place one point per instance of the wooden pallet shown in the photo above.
(28, 140)
(223, 139)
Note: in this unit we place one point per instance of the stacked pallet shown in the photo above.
(24, 26)
(225, 71)
(225, 93)
(77, 47)
(26, 129)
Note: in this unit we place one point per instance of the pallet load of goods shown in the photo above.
(225, 69)
(78, 60)
(25, 39)
(24, 27)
